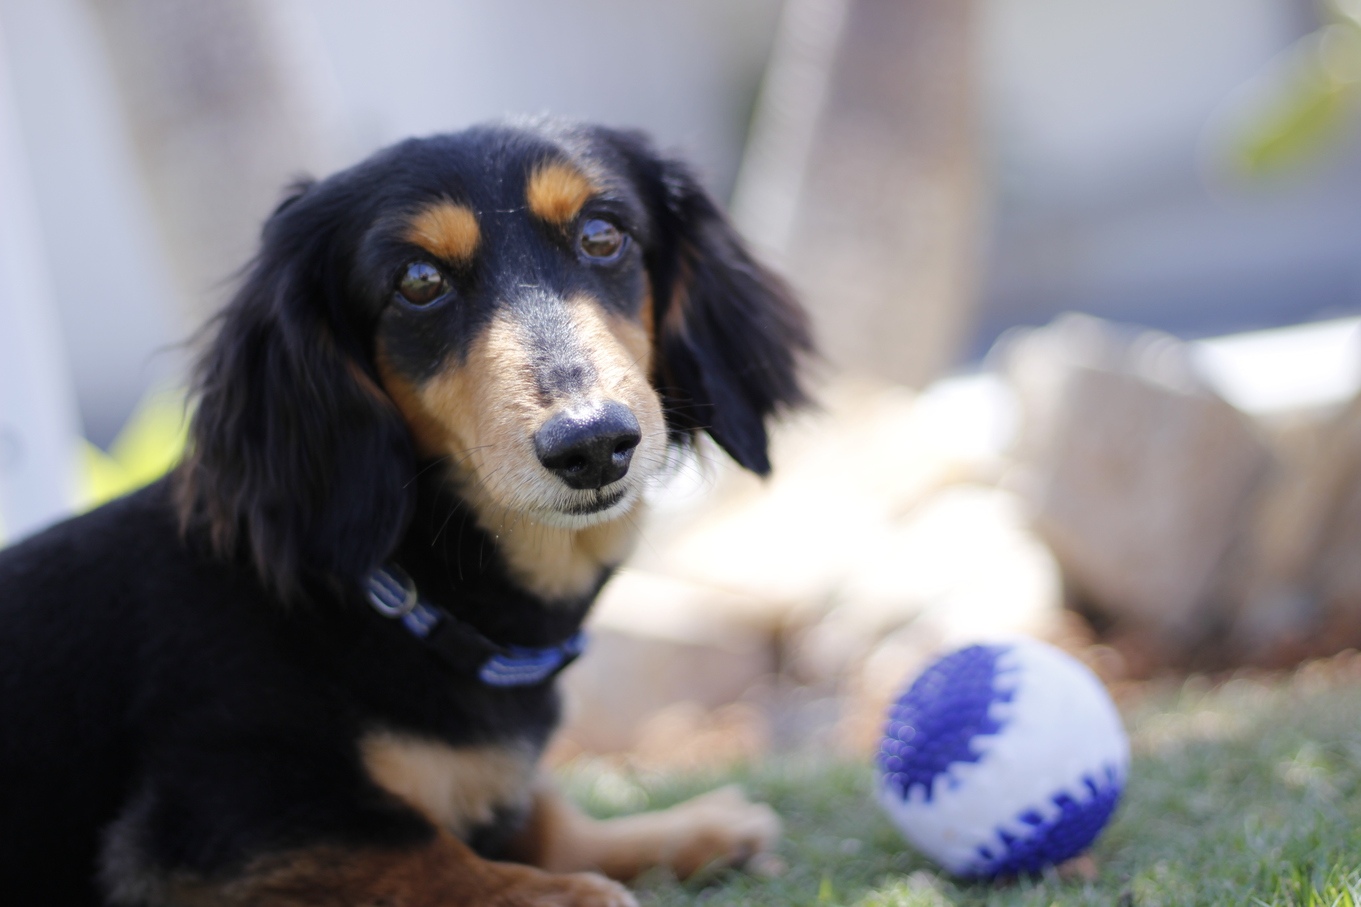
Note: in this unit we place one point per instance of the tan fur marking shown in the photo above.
(633, 339)
(622, 354)
(674, 322)
(648, 317)
(564, 564)
(483, 415)
(361, 378)
(560, 563)
(457, 788)
(447, 230)
(720, 828)
(487, 410)
(431, 437)
(556, 192)
(443, 873)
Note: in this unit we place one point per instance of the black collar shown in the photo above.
(393, 594)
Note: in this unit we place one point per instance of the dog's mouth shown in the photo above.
(589, 509)
(598, 503)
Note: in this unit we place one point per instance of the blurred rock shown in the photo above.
(1336, 575)
(657, 642)
(1300, 589)
(1138, 475)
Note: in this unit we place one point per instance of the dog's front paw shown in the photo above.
(578, 889)
(718, 829)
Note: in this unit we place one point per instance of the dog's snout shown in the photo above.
(589, 448)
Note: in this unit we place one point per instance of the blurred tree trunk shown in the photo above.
(228, 101)
(862, 179)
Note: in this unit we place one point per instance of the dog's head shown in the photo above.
(544, 308)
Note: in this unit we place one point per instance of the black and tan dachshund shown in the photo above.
(315, 665)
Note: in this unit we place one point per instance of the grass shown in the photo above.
(1248, 793)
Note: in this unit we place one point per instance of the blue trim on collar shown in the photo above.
(392, 593)
(522, 666)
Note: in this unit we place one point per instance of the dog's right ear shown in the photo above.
(297, 460)
(730, 337)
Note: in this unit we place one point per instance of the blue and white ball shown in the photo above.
(1003, 759)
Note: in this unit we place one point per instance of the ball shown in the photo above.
(1003, 759)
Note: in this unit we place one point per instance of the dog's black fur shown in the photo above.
(185, 673)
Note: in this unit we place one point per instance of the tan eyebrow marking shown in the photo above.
(446, 229)
(556, 192)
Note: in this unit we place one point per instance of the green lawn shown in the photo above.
(1245, 794)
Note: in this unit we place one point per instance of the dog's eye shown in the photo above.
(422, 284)
(600, 239)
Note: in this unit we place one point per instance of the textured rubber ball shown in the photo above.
(1001, 760)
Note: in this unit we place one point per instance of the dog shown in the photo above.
(315, 664)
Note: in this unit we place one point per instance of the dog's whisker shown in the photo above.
(424, 469)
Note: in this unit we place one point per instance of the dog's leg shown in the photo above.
(443, 873)
(720, 828)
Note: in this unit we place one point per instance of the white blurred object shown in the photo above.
(38, 424)
(961, 566)
(974, 417)
(1301, 367)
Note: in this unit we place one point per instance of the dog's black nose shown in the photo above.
(589, 448)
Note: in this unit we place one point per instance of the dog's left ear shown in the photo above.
(729, 334)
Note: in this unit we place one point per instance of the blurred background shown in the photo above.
(1168, 477)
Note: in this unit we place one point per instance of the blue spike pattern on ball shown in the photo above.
(1060, 838)
(945, 709)
(949, 706)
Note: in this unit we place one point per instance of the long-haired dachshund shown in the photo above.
(315, 664)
